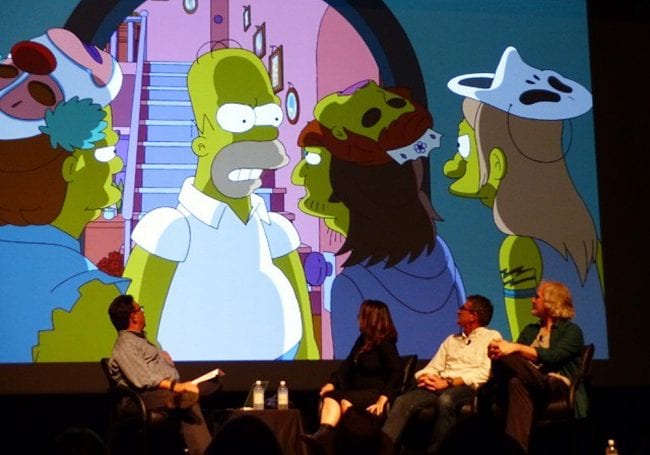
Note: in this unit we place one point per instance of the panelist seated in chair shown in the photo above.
(139, 364)
(539, 367)
(369, 378)
(448, 381)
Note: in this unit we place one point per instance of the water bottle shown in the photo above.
(258, 395)
(611, 448)
(283, 396)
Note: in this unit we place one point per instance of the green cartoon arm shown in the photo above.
(291, 266)
(150, 277)
(83, 334)
(521, 267)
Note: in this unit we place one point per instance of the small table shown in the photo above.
(286, 425)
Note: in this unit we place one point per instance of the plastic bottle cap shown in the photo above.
(258, 382)
(610, 442)
(282, 383)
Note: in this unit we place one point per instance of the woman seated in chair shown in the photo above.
(369, 378)
(540, 366)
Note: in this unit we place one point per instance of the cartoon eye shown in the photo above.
(236, 118)
(371, 117)
(268, 114)
(8, 72)
(463, 146)
(312, 158)
(42, 93)
(397, 103)
(105, 154)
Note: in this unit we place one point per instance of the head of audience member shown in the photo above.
(126, 314)
(486, 437)
(78, 441)
(553, 301)
(376, 323)
(244, 434)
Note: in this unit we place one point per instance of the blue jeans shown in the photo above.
(445, 403)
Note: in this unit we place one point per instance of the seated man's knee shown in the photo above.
(446, 401)
(515, 384)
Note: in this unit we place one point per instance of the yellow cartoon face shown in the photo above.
(465, 168)
(313, 173)
(238, 116)
(90, 174)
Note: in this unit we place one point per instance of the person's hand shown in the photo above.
(378, 407)
(186, 387)
(326, 388)
(500, 348)
(186, 394)
(432, 382)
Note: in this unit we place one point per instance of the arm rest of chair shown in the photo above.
(123, 396)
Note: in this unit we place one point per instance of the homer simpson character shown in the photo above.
(220, 275)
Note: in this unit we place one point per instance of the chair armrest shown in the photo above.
(138, 410)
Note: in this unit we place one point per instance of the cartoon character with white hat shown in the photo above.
(57, 162)
(511, 157)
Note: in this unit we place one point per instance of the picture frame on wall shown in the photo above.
(190, 6)
(292, 104)
(259, 40)
(246, 17)
(276, 69)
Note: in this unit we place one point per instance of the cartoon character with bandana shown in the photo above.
(362, 171)
(511, 157)
(220, 256)
(57, 161)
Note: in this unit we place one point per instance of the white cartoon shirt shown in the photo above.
(227, 300)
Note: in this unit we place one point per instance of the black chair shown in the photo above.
(157, 431)
(558, 422)
(563, 409)
(409, 364)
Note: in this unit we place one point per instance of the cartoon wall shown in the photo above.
(513, 192)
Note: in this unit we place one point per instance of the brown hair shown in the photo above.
(390, 216)
(376, 324)
(32, 188)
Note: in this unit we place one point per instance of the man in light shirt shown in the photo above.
(450, 378)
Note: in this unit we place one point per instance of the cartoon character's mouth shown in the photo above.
(240, 175)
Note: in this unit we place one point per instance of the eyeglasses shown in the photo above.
(139, 309)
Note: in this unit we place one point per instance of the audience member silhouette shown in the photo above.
(78, 441)
(244, 434)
